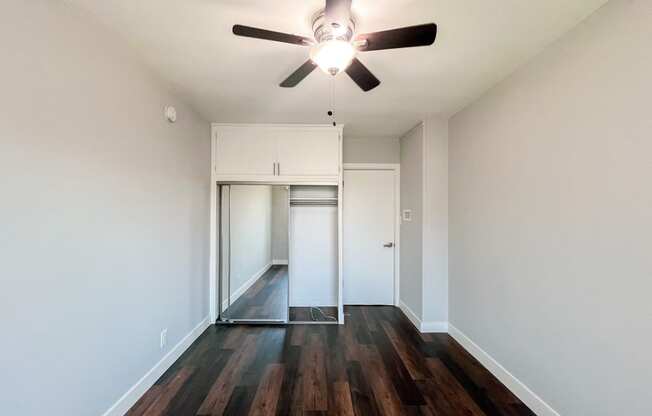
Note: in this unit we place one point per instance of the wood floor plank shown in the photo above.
(298, 334)
(315, 391)
(386, 396)
(479, 394)
(234, 337)
(342, 405)
(193, 393)
(146, 401)
(362, 396)
(291, 379)
(240, 401)
(268, 391)
(451, 391)
(411, 358)
(219, 395)
(399, 375)
(479, 375)
(369, 318)
(169, 391)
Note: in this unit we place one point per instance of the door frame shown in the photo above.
(396, 168)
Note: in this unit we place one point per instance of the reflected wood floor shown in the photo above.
(265, 299)
(375, 364)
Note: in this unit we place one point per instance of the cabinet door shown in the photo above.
(308, 152)
(245, 151)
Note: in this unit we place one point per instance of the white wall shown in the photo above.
(435, 225)
(551, 218)
(280, 213)
(313, 248)
(411, 263)
(313, 256)
(371, 150)
(105, 209)
(251, 234)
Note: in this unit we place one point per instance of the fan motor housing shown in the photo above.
(333, 31)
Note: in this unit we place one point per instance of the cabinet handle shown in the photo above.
(274, 169)
(279, 168)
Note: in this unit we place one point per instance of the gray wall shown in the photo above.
(371, 150)
(105, 209)
(551, 218)
(280, 212)
(411, 151)
(435, 222)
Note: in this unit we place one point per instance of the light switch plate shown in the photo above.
(407, 215)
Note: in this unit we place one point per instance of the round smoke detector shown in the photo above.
(170, 114)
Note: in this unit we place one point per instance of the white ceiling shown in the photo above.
(232, 79)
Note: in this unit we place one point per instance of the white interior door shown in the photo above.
(368, 231)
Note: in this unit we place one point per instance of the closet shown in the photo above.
(270, 182)
(313, 256)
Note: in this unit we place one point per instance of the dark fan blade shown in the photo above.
(253, 32)
(298, 75)
(338, 11)
(405, 37)
(362, 76)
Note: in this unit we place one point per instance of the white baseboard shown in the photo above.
(527, 396)
(520, 390)
(411, 315)
(434, 327)
(424, 327)
(278, 262)
(136, 391)
(246, 285)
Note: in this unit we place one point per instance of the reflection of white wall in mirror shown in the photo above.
(251, 235)
(280, 225)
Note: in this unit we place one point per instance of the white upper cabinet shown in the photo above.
(244, 151)
(308, 152)
(269, 153)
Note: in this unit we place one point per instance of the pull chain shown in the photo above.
(331, 112)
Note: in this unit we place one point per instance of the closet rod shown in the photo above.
(314, 203)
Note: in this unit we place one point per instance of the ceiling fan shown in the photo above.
(336, 43)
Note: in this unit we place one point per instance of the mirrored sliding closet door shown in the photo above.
(254, 253)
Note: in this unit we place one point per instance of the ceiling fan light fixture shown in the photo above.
(333, 56)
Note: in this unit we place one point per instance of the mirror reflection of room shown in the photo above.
(255, 253)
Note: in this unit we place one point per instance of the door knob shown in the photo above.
(388, 245)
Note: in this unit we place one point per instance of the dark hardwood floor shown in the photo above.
(265, 299)
(375, 364)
